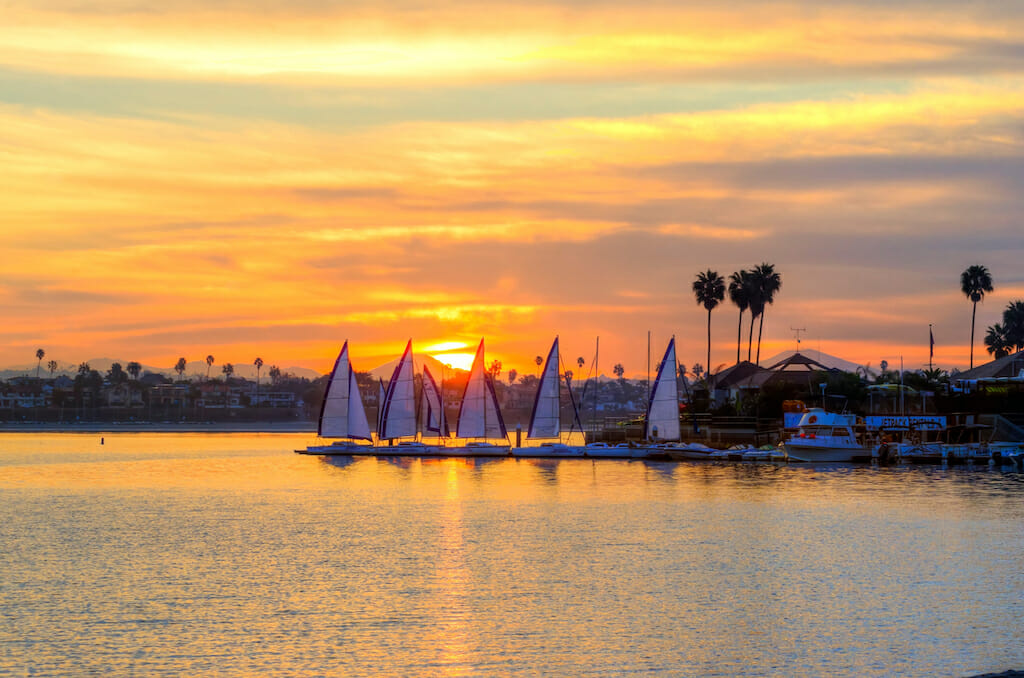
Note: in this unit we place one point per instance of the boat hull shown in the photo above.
(824, 453)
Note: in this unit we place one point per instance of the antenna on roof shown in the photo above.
(798, 330)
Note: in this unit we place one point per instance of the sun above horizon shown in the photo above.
(458, 361)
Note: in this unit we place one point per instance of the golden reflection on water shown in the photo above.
(230, 551)
(453, 576)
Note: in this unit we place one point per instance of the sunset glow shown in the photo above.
(271, 180)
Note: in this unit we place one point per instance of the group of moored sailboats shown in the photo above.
(419, 427)
(405, 426)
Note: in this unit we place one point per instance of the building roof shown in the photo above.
(1009, 366)
(742, 375)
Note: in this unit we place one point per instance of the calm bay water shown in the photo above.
(230, 555)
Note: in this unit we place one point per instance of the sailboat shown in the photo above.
(545, 420)
(602, 449)
(398, 409)
(432, 417)
(479, 415)
(342, 414)
(662, 423)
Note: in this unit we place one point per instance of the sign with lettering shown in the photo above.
(931, 422)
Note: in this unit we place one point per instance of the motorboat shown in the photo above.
(823, 436)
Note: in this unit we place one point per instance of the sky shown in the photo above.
(182, 178)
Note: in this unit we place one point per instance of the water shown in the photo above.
(229, 555)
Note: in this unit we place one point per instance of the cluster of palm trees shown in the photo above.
(1001, 339)
(751, 290)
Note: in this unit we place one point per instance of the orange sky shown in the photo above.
(271, 180)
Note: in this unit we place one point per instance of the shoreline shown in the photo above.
(160, 427)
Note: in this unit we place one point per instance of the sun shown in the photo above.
(449, 353)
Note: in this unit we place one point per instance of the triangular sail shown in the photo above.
(399, 413)
(663, 410)
(479, 416)
(342, 414)
(380, 404)
(544, 421)
(432, 416)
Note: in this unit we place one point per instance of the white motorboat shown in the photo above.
(823, 436)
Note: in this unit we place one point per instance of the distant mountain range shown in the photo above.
(192, 369)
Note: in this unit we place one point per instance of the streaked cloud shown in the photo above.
(181, 177)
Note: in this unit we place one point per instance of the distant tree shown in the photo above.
(134, 369)
(765, 283)
(975, 281)
(52, 366)
(568, 375)
(697, 370)
(209, 364)
(539, 361)
(84, 369)
(494, 369)
(275, 373)
(512, 374)
(180, 368)
(228, 371)
(1013, 325)
(619, 370)
(258, 363)
(740, 284)
(40, 354)
(116, 374)
(580, 362)
(681, 369)
(995, 342)
(709, 290)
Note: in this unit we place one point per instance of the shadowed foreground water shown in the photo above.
(230, 555)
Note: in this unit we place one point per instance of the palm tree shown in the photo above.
(209, 364)
(1013, 325)
(512, 374)
(580, 362)
(767, 282)
(180, 368)
(275, 373)
(52, 366)
(258, 363)
(134, 369)
(995, 342)
(619, 370)
(40, 354)
(975, 281)
(228, 370)
(739, 294)
(709, 290)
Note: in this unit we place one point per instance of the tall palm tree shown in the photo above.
(539, 361)
(258, 363)
(40, 354)
(228, 370)
(739, 294)
(767, 282)
(709, 290)
(209, 364)
(180, 367)
(975, 281)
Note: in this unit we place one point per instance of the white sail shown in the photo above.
(432, 415)
(663, 410)
(479, 416)
(544, 422)
(398, 418)
(342, 414)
